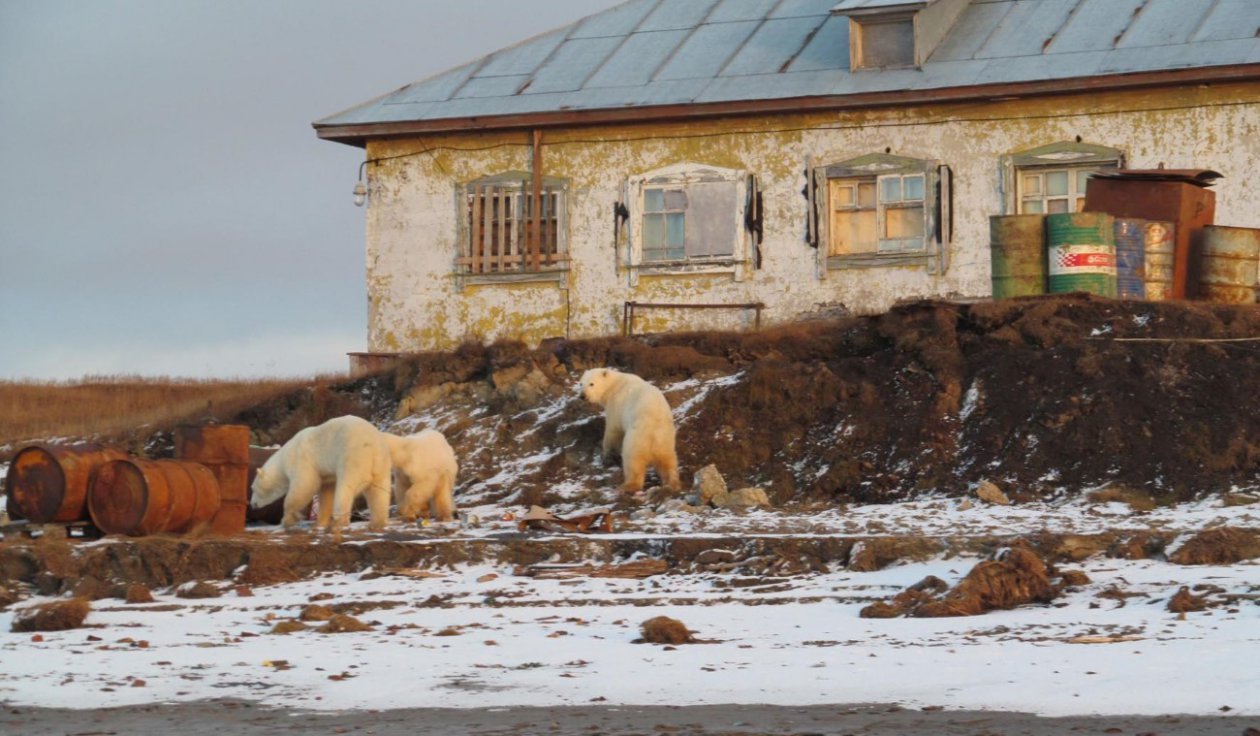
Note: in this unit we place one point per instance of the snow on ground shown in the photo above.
(492, 638)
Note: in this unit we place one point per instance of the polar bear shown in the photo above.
(424, 474)
(637, 422)
(340, 459)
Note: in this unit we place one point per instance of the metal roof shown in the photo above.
(645, 54)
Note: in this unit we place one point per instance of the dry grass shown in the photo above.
(106, 405)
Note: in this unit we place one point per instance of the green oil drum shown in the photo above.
(1017, 250)
(1081, 253)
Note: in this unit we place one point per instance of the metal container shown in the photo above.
(1130, 237)
(1231, 256)
(1081, 253)
(139, 497)
(224, 448)
(49, 483)
(1017, 250)
(1160, 239)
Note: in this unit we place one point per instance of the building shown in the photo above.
(767, 159)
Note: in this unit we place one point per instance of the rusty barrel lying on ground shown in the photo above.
(139, 497)
(49, 483)
(1017, 251)
(224, 449)
(1231, 256)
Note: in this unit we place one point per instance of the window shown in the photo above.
(880, 209)
(689, 217)
(883, 43)
(503, 235)
(1052, 179)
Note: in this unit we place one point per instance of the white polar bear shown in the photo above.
(424, 472)
(637, 421)
(340, 459)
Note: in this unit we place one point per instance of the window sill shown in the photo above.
(555, 275)
(877, 260)
(717, 265)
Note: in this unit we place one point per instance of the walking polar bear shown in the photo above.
(340, 459)
(424, 470)
(637, 422)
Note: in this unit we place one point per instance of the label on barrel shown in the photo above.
(1073, 260)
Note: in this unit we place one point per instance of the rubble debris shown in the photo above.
(710, 486)
(1186, 602)
(989, 492)
(636, 569)
(599, 520)
(665, 630)
(54, 616)
(1221, 546)
(343, 624)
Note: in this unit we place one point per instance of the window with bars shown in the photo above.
(508, 230)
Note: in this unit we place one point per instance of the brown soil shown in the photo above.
(1019, 577)
(1223, 546)
(1037, 394)
(54, 616)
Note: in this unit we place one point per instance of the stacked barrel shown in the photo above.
(205, 490)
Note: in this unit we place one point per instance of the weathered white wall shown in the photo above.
(412, 230)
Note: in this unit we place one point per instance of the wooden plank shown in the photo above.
(516, 259)
(476, 243)
(501, 202)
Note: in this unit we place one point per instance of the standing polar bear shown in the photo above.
(340, 459)
(637, 421)
(424, 469)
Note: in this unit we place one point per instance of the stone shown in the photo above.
(710, 486)
(990, 493)
(745, 497)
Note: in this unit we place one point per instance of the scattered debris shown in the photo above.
(342, 624)
(316, 612)
(1093, 639)
(54, 616)
(1018, 576)
(1073, 578)
(556, 571)
(198, 589)
(1186, 602)
(592, 521)
(404, 572)
(137, 593)
(907, 600)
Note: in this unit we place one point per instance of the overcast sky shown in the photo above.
(165, 206)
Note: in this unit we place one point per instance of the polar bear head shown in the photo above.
(269, 484)
(596, 382)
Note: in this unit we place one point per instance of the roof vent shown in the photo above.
(894, 34)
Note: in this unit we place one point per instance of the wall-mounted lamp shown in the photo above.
(360, 189)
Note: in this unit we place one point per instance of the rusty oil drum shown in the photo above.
(224, 449)
(1160, 239)
(1231, 257)
(49, 483)
(139, 497)
(1017, 252)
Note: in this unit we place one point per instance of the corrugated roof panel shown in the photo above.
(973, 28)
(828, 49)
(673, 15)
(436, 88)
(1020, 68)
(522, 58)
(1166, 22)
(1026, 28)
(616, 21)
(732, 10)
(799, 8)
(1230, 19)
(773, 45)
(572, 63)
(491, 86)
(1094, 26)
(707, 50)
(637, 59)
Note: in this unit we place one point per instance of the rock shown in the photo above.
(677, 505)
(990, 493)
(745, 497)
(710, 485)
(288, 627)
(137, 593)
(665, 630)
(343, 624)
(965, 505)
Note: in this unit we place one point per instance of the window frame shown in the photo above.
(931, 247)
(859, 44)
(680, 177)
(517, 186)
(1069, 156)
